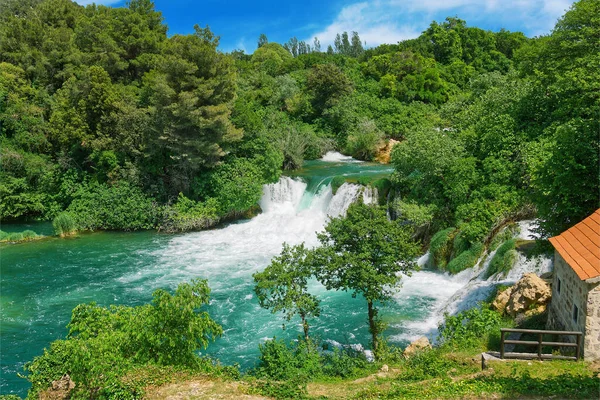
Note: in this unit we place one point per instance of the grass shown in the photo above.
(24, 236)
(504, 259)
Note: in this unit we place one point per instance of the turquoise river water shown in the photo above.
(42, 281)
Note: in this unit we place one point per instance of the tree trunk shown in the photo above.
(305, 327)
(373, 325)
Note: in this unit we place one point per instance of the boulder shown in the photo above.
(60, 389)
(502, 299)
(420, 344)
(384, 153)
(528, 296)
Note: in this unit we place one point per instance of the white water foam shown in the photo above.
(334, 156)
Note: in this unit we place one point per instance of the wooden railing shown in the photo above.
(540, 343)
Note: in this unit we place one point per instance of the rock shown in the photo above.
(420, 344)
(60, 389)
(529, 296)
(384, 368)
(502, 300)
(64, 383)
(384, 153)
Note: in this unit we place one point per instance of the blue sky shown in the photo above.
(239, 23)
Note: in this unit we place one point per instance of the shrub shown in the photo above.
(364, 140)
(121, 206)
(504, 259)
(466, 259)
(29, 234)
(440, 247)
(187, 215)
(281, 361)
(15, 237)
(475, 328)
(64, 224)
(104, 344)
(345, 362)
(4, 236)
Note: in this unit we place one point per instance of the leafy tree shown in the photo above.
(317, 45)
(327, 83)
(282, 286)
(104, 344)
(364, 253)
(262, 40)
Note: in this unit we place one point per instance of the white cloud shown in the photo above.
(390, 21)
(98, 2)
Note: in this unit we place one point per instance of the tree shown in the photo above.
(282, 286)
(105, 343)
(356, 47)
(262, 40)
(316, 45)
(364, 253)
(328, 83)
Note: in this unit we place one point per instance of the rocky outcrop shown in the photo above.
(60, 389)
(384, 154)
(420, 344)
(529, 296)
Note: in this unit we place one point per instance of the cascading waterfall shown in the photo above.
(456, 293)
(125, 268)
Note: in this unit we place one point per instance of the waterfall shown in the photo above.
(455, 293)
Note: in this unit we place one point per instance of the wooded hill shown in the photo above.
(104, 115)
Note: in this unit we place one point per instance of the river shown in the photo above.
(42, 281)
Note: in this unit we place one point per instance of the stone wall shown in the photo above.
(574, 292)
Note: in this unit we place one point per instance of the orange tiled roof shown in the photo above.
(580, 246)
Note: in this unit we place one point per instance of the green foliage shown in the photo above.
(64, 224)
(188, 215)
(476, 328)
(364, 140)
(119, 206)
(104, 344)
(24, 236)
(466, 259)
(279, 361)
(441, 247)
(336, 182)
(364, 253)
(283, 285)
(504, 259)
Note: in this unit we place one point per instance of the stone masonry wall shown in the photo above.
(574, 292)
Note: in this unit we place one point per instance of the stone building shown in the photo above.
(575, 304)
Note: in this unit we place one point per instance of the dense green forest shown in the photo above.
(107, 118)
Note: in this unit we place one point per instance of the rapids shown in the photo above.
(42, 281)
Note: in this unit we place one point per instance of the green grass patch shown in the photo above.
(24, 236)
(440, 247)
(466, 259)
(504, 259)
(64, 224)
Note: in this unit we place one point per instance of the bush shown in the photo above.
(475, 328)
(440, 247)
(345, 362)
(504, 259)
(280, 361)
(104, 344)
(3, 236)
(121, 206)
(466, 259)
(188, 215)
(64, 224)
(364, 140)
(15, 237)
(29, 234)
